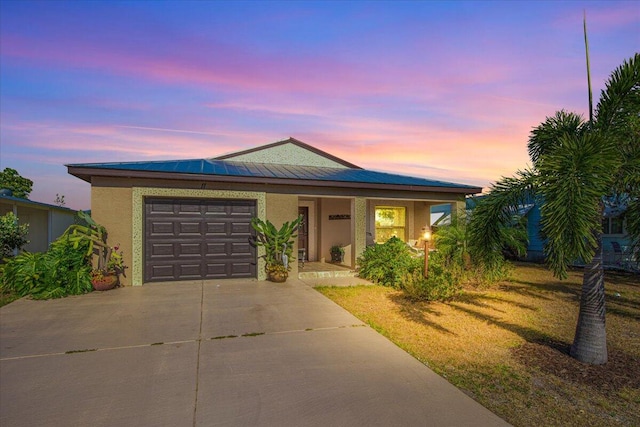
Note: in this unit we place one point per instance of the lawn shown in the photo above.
(507, 346)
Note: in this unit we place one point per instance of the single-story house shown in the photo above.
(190, 219)
(46, 222)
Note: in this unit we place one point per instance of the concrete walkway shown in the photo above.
(227, 353)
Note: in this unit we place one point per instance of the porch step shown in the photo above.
(326, 274)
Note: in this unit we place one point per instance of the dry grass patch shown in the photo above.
(507, 347)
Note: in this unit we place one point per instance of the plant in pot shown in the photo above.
(278, 245)
(110, 264)
(337, 253)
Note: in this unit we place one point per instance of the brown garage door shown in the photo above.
(187, 239)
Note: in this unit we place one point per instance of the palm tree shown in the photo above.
(576, 164)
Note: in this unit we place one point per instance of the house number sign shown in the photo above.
(335, 217)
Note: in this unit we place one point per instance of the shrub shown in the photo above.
(388, 263)
(11, 235)
(454, 244)
(62, 270)
(441, 283)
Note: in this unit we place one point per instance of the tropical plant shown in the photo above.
(452, 242)
(12, 235)
(109, 260)
(388, 263)
(576, 164)
(278, 243)
(20, 187)
(63, 270)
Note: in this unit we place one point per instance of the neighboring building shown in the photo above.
(190, 219)
(46, 222)
(615, 240)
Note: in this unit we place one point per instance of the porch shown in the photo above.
(318, 270)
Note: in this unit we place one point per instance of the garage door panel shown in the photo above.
(216, 270)
(216, 228)
(238, 228)
(240, 249)
(198, 239)
(189, 208)
(159, 207)
(216, 249)
(189, 271)
(188, 249)
(162, 228)
(161, 250)
(240, 269)
(189, 228)
(165, 271)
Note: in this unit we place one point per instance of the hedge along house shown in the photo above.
(190, 219)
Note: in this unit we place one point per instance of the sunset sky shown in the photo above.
(444, 90)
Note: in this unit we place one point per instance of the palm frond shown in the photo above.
(573, 180)
(496, 211)
(545, 137)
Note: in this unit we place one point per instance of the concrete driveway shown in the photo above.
(232, 353)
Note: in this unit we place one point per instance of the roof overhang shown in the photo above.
(86, 173)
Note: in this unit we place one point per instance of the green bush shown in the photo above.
(388, 263)
(62, 270)
(441, 284)
(12, 235)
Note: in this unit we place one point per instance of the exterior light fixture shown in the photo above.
(426, 235)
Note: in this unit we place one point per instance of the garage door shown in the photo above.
(192, 239)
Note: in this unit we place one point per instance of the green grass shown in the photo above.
(507, 346)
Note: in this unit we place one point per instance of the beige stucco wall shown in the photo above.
(421, 218)
(283, 208)
(358, 228)
(111, 207)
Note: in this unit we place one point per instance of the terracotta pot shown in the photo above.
(278, 276)
(107, 282)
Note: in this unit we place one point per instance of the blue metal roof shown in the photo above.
(214, 167)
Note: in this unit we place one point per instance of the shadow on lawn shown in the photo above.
(551, 355)
(537, 290)
(417, 311)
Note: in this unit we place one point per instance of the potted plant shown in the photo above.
(337, 253)
(110, 264)
(278, 245)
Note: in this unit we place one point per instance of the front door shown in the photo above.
(303, 232)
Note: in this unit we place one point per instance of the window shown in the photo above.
(390, 222)
(613, 225)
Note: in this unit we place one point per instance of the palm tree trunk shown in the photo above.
(590, 341)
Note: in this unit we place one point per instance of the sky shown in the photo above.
(442, 90)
